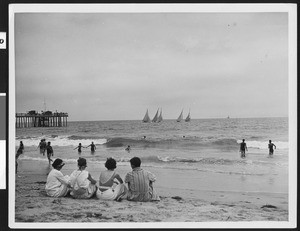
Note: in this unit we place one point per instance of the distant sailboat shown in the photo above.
(180, 117)
(188, 118)
(146, 118)
(155, 117)
(160, 118)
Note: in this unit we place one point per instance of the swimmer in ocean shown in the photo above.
(128, 148)
(93, 147)
(243, 148)
(79, 148)
(270, 146)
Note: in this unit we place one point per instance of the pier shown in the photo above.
(44, 119)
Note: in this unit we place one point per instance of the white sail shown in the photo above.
(188, 118)
(160, 118)
(146, 118)
(180, 117)
(155, 117)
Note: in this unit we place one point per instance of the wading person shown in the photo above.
(49, 152)
(271, 147)
(79, 148)
(243, 148)
(42, 145)
(93, 147)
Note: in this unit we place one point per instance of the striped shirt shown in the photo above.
(139, 188)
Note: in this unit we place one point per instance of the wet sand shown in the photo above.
(186, 208)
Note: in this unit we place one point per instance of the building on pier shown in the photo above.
(43, 119)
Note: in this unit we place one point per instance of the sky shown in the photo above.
(115, 66)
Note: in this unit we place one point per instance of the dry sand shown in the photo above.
(33, 206)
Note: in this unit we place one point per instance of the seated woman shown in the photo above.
(109, 188)
(83, 185)
(57, 184)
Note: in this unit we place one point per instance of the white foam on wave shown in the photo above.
(60, 141)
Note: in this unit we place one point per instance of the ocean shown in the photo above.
(202, 150)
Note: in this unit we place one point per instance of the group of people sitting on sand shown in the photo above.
(81, 185)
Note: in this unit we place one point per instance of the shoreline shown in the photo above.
(176, 205)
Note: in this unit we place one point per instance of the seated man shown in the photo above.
(140, 183)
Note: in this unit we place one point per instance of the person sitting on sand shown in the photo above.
(93, 147)
(82, 183)
(243, 148)
(140, 183)
(57, 184)
(270, 146)
(49, 152)
(79, 148)
(111, 186)
(42, 146)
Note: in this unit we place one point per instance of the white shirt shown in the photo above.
(79, 179)
(55, 180)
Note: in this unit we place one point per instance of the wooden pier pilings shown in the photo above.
(48, 119)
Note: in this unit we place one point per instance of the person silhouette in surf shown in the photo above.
(128, 148)
(243, 148)
(270, 146)
(93, 147)
(42, 146)
(79, 148)
(49, 152)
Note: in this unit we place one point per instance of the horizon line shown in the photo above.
(187, 122)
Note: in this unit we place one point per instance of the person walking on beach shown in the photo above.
(140, 183)
(243, 148)
(82, 183)
(79, 148)
(49, 152)
(271, 145)
(19, 152)
(111, 186)
(42, 146)
(21, 147)
(93, 147)
(57, 184)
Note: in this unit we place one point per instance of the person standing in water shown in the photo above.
(49, 152)
(19, 152)
(128, 148)
(21, 147)
(270, 146)
(79, 148)
(93, 147)
(42, 146)
(243, 148)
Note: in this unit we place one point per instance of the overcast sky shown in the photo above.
(115, 66)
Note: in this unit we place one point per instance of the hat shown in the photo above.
(81, 162)
(58, 163)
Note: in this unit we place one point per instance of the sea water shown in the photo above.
(201, 151)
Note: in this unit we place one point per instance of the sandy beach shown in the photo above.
(32, 205)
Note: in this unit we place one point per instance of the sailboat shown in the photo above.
(180, 117)
(160, 118)
(155, 117)
(188, 118)
(146, 118)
